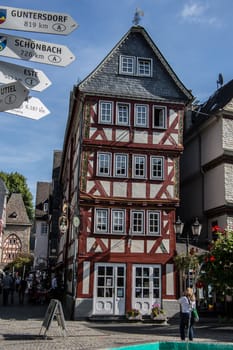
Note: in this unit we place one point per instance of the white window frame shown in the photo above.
(125, 118)
(143, 72)
(150, 214)
(127, 65)
(134, 160)
(139, 114)
(125, 157)
(118, 218)
(163, 117)
(108, 160)
(104, 117)
(138, 213)
(46, 206)
(101, 220)
(44, 228)
(161, 165)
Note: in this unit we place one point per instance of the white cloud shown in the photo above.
(192, 10)
(197, 12)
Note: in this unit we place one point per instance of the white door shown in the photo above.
(109, 289)
(146, 287)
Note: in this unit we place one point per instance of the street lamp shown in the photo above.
(196, 231)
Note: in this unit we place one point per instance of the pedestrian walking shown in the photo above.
(6, 285)
(12, 289)
(187, 304)
(21, 290)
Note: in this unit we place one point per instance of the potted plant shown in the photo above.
(157, 312)
(133, 314)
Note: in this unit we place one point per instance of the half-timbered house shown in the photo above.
(120, 180)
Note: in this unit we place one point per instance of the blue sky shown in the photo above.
(195, 38)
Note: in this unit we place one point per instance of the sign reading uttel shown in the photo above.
(12, 95)
(36, 21)
(34, 50)
(32, 78)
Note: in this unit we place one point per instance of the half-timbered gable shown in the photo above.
(121, 174)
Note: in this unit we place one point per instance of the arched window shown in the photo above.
(11, 247)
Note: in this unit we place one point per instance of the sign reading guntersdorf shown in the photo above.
(36, 21)
(34, 50)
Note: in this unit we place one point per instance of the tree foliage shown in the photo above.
(16, 183)
(22, 264)
(217, 265)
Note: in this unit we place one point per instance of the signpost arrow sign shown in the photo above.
(34, 50)
(36, 21)
(12, 95)
(32, 108)
(32, 78)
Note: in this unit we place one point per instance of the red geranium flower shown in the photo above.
(212, 258)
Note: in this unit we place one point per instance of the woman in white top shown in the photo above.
(187, 304)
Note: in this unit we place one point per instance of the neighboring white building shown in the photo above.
(207, 164)
(42, 224)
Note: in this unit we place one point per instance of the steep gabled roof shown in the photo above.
(3, 193)
(16, 213)
(43, 192)
(106, 80)
(219, 99)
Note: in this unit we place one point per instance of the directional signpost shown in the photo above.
(33, 108)
(36, 21)
(34, 50)
(32, 78)
(12, 95)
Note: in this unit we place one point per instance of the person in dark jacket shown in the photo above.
(6, 285)
(21, 290)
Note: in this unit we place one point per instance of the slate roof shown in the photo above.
(216, 102)
(3, 193)
(16, 213)
(43, 192)
(106, 80)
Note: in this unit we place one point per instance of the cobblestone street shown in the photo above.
(21, 329)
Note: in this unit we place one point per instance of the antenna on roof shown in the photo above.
(137, 16)
(220, 80)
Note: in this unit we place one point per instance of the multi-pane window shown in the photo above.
(122, 114)
(137, 222)
(141, 115)
(144, 67)
(44, 228)
(104, 164)
(105, 112)
(46, 206)
(121, 165)
(101, 220)
(139, 166)
(153, 223)
(118, 221)
(159, 117)
(127, 64)
(113, 221)
(157, 168)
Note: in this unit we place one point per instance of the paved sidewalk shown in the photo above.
(20, 327)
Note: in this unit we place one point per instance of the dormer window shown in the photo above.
(144, 66)
(46, 207)
(137, 66)
(127, 65)
(13, 215)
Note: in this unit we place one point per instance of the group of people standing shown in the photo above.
(11, 284)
